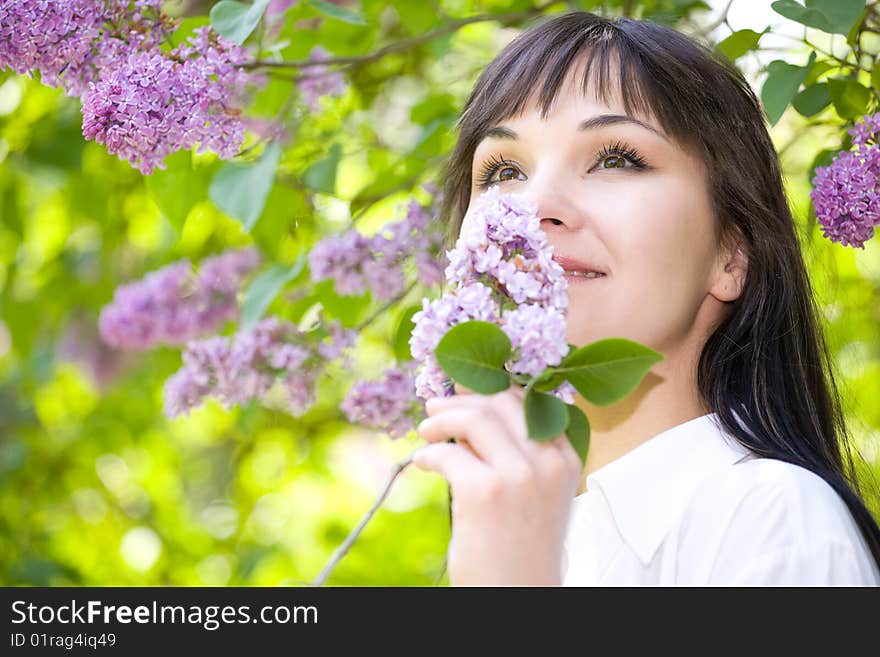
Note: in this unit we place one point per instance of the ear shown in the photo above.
(729, 277)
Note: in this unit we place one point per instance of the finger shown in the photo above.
(453, 462)
(438, 438)
(506, 407)
(462, 390)
(563, 444)
(511, 399)
(488, 435)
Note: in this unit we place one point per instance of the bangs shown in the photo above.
(534, 67)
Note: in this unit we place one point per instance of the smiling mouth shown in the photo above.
(582, 275)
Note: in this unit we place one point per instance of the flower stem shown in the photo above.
(352, 537)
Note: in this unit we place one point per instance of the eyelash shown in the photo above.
(496, 162)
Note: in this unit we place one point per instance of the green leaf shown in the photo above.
(548, 380)
(240, 190)
(473, 354)
(265, 288)
(818, 69)
(321, 176)
(416, 17)
(832, 16)
(578, 431)
(875, 77)
(739, 43)
(403, 332)
(608, 370)
(236, 20)
(812, 99)
(435, 106)
(823, 159)
(850, 98)
(178, 187)
(783, 81)
(339, 13)
(546, 415)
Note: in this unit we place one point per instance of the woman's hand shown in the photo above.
(511, 496)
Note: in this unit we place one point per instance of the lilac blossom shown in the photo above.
(138, 100)
(389, 404)
(341, 339)
(865, 132)
(70, 42)
(469, 302)
(358, 263)
(846, 194)
(81, 343)
(501, 271)
(50, 37)
(152, 104)
(318, 81)
(246, 366)
(502, 244)
(537, 335)
(170, 306)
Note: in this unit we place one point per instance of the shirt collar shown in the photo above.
(648, 487)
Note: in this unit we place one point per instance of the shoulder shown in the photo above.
(768, 516)
(801, 501)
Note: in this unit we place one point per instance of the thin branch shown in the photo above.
(406, 44)
(718, 22)
(842, 61)
(369, 320)
(352, 537)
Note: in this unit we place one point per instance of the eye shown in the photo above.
(617, 155)
(505, 169)
(616, 162)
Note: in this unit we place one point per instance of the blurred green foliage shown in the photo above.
(98, 488)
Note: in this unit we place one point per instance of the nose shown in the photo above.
(556, 208)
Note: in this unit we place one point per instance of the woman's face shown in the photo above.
(614, 191)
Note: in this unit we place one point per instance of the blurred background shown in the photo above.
(98, 487)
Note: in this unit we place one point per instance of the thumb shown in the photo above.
(452, 461)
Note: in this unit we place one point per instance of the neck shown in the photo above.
(666, 397)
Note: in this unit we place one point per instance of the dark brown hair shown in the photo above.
(768, 360)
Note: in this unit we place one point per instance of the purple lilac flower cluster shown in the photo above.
(501, 270)
(170, 306)
(246, 366)
(358, 263)
(69, 42)
(846, 194)
(50, 37)
(141, 102)
(152, 104)
(389, 404)
(318, 81)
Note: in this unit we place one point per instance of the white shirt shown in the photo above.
(692, 507)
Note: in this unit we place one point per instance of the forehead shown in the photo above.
(579, 92)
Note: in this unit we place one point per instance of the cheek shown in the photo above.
(661, 233)
(660, 242)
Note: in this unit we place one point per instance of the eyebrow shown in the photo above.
(594, 123)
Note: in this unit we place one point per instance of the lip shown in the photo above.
(570, 264)
(573, 279)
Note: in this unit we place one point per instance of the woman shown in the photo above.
(650, 163)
